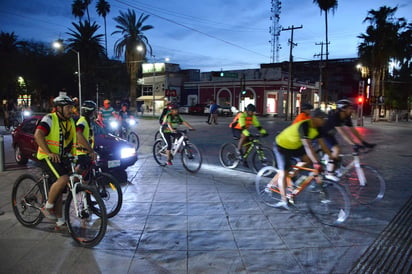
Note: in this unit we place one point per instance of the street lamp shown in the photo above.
(59, 45)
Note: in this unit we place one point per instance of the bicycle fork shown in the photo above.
(75, 181)
(359, 171)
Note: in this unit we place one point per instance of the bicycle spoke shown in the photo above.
(262, 157)
(191, 158)
(228, 156)
(159, 152)
(266, 186)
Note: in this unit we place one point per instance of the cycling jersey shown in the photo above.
(333, 121)
(291, 137)
(83, 126)
(175, 120)
(246, 121)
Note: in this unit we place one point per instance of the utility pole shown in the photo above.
(289, 97)
(321, 66)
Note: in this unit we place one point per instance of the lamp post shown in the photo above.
(360, 97)
(153, 84)
(58, 45)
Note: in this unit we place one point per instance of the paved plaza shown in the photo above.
(210, 222)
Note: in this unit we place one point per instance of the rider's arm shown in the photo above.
(347, 137)
(307, 144)
(187, 124)
(257, 125)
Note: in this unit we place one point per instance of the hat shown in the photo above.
(318, 113)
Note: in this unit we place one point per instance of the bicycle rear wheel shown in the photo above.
(134, 139)
(85, 226)
(228, 155)
(27, 199)
(191, 158)
(262, 157)
(267, 190)
(329, 204)
(159, 152)
(111, 193)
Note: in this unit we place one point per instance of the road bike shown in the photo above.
(190, 155)
(326, 200)
(261, 155)
(366, 185)
(107, 186)
(84, 209)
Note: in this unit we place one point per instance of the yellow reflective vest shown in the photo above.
(88, 135)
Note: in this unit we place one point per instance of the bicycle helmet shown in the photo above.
(318, 113)
(306, 107)
(63, 100)
(343, 103)
(251, 107)
(89, 106)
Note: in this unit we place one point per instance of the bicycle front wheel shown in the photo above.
(158, 135)
(266, 186)
(134, 139)
(263, 157)
(159, 152)
(111, 193)
(85, 226)
(366, 191)
(191, 158)
(329, 204)
(228, 156)
(27, 199)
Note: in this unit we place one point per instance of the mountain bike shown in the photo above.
(107, 186)
(261, 155)
(365, 183)
(84, 209)
(127, 132)
(326, 200)
(190, 155)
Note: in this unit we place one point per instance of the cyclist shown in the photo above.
(171, 121)
(304, 113)
(339, 120)
(236, 132)
(106, 113)
(246, 119)
(125, 114)
(165, 111)
(295, 141)
(85, 136)
(56, 137)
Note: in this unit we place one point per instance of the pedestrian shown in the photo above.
(213, 112)
(142, 108)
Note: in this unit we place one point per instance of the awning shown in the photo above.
(149, 97)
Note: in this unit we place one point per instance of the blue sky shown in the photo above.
(210, 34)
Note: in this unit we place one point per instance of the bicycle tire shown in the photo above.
(191, 158)
(110, 191)
(270, 196)
(27, 199)
(158, 135)
(88, 229)
(133, 138)
(262, 157)
(329, 204)
(159, 152)
(228, 155)
(373, 191)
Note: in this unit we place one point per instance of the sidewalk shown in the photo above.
(211, 222)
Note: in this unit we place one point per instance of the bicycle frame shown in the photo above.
(251, 144)
(355, 162)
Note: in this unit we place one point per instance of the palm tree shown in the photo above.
(380, 43)
(89, 45)
(102, 9)
(132, 30)
(325, 6)
(78, 9)
(86, 4)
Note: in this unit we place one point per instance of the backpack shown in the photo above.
(162, 116)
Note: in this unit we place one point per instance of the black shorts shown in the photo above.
(55, 170)
(330, 141)
(285, 157)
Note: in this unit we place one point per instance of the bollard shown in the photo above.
(1, 153)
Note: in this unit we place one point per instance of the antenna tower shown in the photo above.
(274, 30)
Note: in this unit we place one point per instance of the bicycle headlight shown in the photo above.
(127, 152)
(132, 122)
(114, 124)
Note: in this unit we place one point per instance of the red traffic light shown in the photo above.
(360, 100)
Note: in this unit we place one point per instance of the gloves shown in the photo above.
(368, 145)
(263, 132)
(246, 132)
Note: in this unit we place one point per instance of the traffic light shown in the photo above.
(243, 92)
(360, 100)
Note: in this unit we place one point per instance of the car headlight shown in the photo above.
(127, 152)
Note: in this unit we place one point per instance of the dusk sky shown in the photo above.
(211, 34)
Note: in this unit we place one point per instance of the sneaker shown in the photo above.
(282, 204)
(332, 177)
(49, 213)
(169, 163)
(61, 228)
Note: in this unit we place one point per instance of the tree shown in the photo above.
(85, 41)
(132, 31)
(325, 6)
(102, 9)
(78, 9)
(380, 44)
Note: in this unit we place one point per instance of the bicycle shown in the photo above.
(190, 155)
(128, 134)
(326, 200)
(261, 155)
(107, 186)
(364, 182)
(84, 209)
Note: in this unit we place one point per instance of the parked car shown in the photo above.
(115, 154)
(184, 110)
(197, 109)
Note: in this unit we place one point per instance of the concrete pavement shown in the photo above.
(210, 222)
